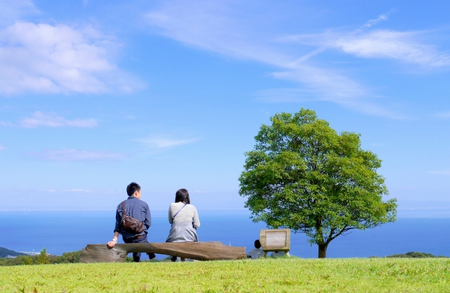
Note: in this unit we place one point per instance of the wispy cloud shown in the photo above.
(443, 115)
(387, 44)
(283, 95)
(6, 124)
(83, 190)
(48, 190)
(312, 38)
(2, 147)
(382, 44)
(78, 155)
(216, 26)
(58, 58)
(221, 27)
(53, 120)
(345, 91)
(381, 17)
(441, 172)
(72, 190)
(164, 142)
(79, 190)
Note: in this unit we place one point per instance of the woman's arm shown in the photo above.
(196, 220)
(170, 214)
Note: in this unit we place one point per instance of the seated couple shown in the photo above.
(182, 215)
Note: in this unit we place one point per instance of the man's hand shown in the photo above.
(112, 243)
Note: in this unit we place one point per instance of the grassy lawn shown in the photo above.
(263, 275)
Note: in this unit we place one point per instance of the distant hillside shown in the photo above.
(5, 252)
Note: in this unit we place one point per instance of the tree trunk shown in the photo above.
(323, 250)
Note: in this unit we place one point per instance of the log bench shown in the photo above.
(193, 250)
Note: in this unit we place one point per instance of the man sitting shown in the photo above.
(256, 252)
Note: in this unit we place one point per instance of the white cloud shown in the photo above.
(11, 11)
(2, 147)
(162, 142)
(78, 155)
(53, 120)
(389, 44)
(312, 39)
(45, 58)
(381, 44)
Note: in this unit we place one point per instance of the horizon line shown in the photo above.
(99, 210)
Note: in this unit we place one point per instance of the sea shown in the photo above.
(67, 231)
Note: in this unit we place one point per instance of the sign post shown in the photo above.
(275, 240)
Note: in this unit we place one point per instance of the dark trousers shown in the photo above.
(143, 239)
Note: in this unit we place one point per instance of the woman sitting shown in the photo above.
(184, 219)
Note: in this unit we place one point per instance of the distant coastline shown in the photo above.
(7, 253)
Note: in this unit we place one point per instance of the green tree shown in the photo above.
(42, 258)
(69, 257)
(304, 176)
(27, 260)
(413, 254)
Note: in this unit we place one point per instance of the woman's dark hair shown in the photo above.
(132, 188)
(182, 195)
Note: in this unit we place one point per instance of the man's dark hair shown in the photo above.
(132, 188)
(257, 244)
(182, 195)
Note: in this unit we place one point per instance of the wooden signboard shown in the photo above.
(275, 240)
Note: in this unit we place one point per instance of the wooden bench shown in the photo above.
(275, 240)
(193, 250)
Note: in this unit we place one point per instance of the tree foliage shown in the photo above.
(415, 254)
(42, 258)
(69, 257)
(305, 176)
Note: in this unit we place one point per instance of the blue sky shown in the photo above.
(170, 94)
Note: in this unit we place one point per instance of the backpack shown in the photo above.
(131, 224)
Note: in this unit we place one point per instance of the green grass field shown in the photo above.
(263, 275)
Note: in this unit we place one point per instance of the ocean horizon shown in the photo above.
(67, 231)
